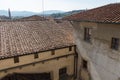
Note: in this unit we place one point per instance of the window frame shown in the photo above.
(115, 43)
(16, 59)
(70, 48)
(87, 34)
(84, 64)
(63, 71)
(53, 52)
(36, 55)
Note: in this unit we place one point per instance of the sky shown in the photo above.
(63, 5)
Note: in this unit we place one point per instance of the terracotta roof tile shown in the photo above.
(24, 37)
(108, 13)
(34, 17)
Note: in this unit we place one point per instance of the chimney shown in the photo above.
(9, 13)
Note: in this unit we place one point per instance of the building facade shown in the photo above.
(97, 35)
(52, 62)
(44, 50)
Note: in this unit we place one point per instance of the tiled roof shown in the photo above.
(107, 14)
(34, 17)
(25, 37)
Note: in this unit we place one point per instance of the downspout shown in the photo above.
(75, 63)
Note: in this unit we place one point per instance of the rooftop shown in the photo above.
(34, 17)
(26, 37)
(107, 14)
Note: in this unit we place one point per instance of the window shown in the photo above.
(70, 48)
(36, 55)
(115, 43)
(63, 74)
(63, 71)
(16, 59)
(87, 34)
(84, 64)
(53, 52)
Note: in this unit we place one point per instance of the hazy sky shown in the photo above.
(64, 5)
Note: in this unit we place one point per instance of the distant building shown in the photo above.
(98, 42)
(41, 49)
(3, 18)
(9, 13)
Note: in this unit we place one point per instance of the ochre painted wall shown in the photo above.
(52, 65)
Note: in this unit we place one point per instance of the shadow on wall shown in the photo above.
(25, 76)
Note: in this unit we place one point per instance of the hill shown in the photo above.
(28, 13)
(60, 15)
(51, 13)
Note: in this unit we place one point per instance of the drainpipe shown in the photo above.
(75, 63)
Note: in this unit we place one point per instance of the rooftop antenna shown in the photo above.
(9, 13)
(43, 8)
(117, 1)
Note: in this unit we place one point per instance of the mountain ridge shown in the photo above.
(28, 13)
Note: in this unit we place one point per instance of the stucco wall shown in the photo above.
(104, 62)
(37, 66)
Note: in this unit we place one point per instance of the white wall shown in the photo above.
(104, 62)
